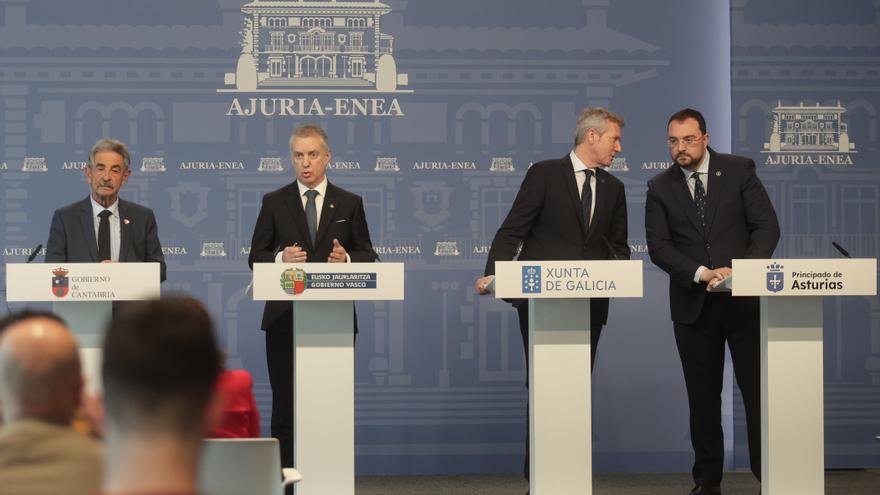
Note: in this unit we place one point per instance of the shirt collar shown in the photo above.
(321, 188)
(97, 208)
(703, 168)
(576, 163)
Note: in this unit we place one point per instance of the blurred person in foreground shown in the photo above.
(160, 371)
(40, 389)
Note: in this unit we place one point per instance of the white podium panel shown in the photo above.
(792, 382)
(560, 408)
(82, 294)
(323, 350)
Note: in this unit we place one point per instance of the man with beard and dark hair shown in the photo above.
(702, 213)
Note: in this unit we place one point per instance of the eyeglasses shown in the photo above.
(688, 141)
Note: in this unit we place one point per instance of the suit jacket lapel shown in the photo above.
(87, 224)
(124, 231)
(713, 194)
(567, 173)
(328, 213)
(295, 207)
(683, 195)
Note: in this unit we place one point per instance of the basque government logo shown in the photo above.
(531, 279)
(293, 281)
(775, 277)
(60, 282)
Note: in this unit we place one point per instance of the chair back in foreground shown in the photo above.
(233, 466)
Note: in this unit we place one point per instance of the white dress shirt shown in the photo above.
(115, 226)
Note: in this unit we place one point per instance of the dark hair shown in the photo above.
(161, 364)
(26, 314)
(688, 113)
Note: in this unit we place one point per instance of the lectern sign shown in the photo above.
(328, 281)
(804, 277)
(568, 279)
(82, 281)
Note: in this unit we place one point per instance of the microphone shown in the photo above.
(34, 253)
(250, 284)
(840, 249)
(610, 248)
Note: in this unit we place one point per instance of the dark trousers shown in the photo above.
(736, 321)
(523, 313)
(279, 359)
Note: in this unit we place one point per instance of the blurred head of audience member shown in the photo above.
(160, 368)
(40, 389)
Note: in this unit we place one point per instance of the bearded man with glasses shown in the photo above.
(706, 210)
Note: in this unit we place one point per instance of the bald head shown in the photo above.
(40, 373)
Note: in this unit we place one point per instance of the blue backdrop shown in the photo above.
(435, 110)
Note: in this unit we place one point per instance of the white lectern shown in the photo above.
(560, 430)
(792, 383)
(323, 347)
(83, 294)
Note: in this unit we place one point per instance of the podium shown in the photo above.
(83, 294)
(323, 347)
(792, 382)
(560, 429)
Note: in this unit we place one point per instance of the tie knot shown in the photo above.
(105, 214)
(588, 173)
(311, 193)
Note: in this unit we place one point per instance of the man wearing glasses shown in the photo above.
(700, 214)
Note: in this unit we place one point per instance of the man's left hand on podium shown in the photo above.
(338, 253)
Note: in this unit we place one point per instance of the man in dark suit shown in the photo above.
(700, 214)
(103, 227)
(308, 220)
(568, 209)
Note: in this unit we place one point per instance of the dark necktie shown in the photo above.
(700, 199)
(104, 236)
(312, 214)
(587, 197)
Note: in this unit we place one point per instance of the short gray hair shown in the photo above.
(309, 130)
(113, 145)
(596, 118)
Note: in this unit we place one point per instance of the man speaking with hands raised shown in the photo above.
(308, 220)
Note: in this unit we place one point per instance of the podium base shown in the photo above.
(560, 430)
(87, 321)
(792, 401)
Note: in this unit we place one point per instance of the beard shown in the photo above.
(685, 159)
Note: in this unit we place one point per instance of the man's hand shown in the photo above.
(714, 278)
(337, 255)
(293, 254)
(482, 285)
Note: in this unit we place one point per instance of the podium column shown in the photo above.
(323, 396)
(560, 430)
(87, 321)
(792, 402)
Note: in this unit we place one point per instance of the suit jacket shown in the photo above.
(72, 235)
(282, 222)
(740, 223)
(547, 220)
(37, 457)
